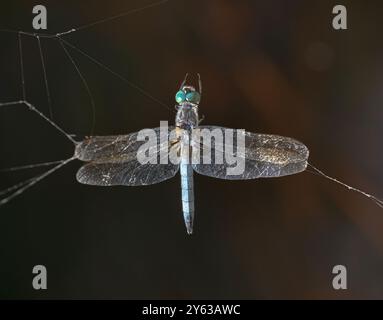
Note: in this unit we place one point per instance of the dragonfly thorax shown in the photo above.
(187, 109)
(187, 116)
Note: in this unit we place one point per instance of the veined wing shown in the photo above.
(123, 167)
(263, 155)
(118, 147)
(130, 173)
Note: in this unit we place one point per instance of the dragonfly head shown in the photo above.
(188, 94)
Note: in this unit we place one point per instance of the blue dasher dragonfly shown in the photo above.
(113, 160)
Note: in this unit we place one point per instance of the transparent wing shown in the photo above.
(115, 148)
(114, 159)
(263, 155)
(128, 173)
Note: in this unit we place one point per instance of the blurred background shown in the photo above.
(267, 66)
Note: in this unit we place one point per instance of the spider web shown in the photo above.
(68, 49)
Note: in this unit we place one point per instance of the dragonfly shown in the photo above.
(117, 160)
(113, 160)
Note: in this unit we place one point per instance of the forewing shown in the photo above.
(130, 172)
(264, 155)
(116, 148)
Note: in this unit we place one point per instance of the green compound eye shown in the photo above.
(180, 96)
(193, 97)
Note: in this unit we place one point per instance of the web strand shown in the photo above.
(34, 109)
(19, 188)
(28, 104)
(123, 14)
(82, 27)
(15, 187)
(12, 103)
(45, 78)
(103, 66)
(85, 83)
(24, 101)
(31, 166)
(89, 25)
(23, 186)
(376, 200)
(21, 67)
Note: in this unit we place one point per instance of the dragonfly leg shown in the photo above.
(202, 119)
(184, 81)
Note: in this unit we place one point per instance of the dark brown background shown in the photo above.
(267, 66)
